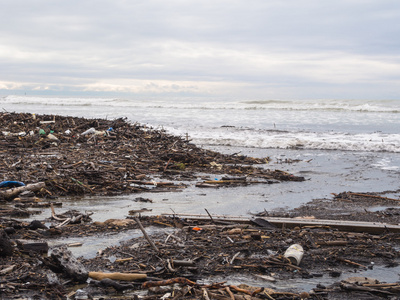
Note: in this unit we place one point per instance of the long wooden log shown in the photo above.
(14, 192)
(117, 276)
(351, 226)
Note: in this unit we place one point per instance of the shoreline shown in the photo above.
(77, 156)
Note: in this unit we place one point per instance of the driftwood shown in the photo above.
(52, 278)
(68, 263)
(351, 226)
(41, 247)
(351, 262)
(131, 156)
(14, 192)
(183, 263)
(111, 283)
(7, 270)
(354, 287)
(344, 196)
(146, 235)
(205, 289)
(180, 280)
(75, 219)
(117, 276)
(6, 248)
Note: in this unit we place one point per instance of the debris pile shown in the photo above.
(79, 156)
(202, 257)
(368, 207)
(196, 258)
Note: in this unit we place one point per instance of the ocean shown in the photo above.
(337, 145)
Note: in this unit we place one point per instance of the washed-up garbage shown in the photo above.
(10, 184)
(295, 254)
(134, 150)
(94, 131)
(52, 137)
(89, 131)
(7, 133)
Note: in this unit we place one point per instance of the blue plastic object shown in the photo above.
(11, 184)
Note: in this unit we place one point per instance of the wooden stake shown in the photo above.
(145, 235)
(210, 216)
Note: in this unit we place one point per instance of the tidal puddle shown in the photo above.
(379, 208)
(92, 244)
(380, 273)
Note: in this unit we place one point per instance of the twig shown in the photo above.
(54, 216)
(180, 280)
(145, 234)
(229, 239)
(166, 166)
(170, 266)
(351, 262)
(212, 220)
(227, 289)
(205, 294)
(372, 196)
(66, 222)
(234, 257)
(82, 184)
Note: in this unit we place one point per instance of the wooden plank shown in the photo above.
(352, 226)
(35, 246)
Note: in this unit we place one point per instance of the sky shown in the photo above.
(253, 49)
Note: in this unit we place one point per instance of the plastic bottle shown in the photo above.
(295, 254)
(89, 131)
(52, 137)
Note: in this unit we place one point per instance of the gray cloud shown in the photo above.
(253, 48)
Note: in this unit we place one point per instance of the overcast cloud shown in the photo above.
(260, 49)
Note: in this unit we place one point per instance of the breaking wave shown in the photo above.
(387, 106)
